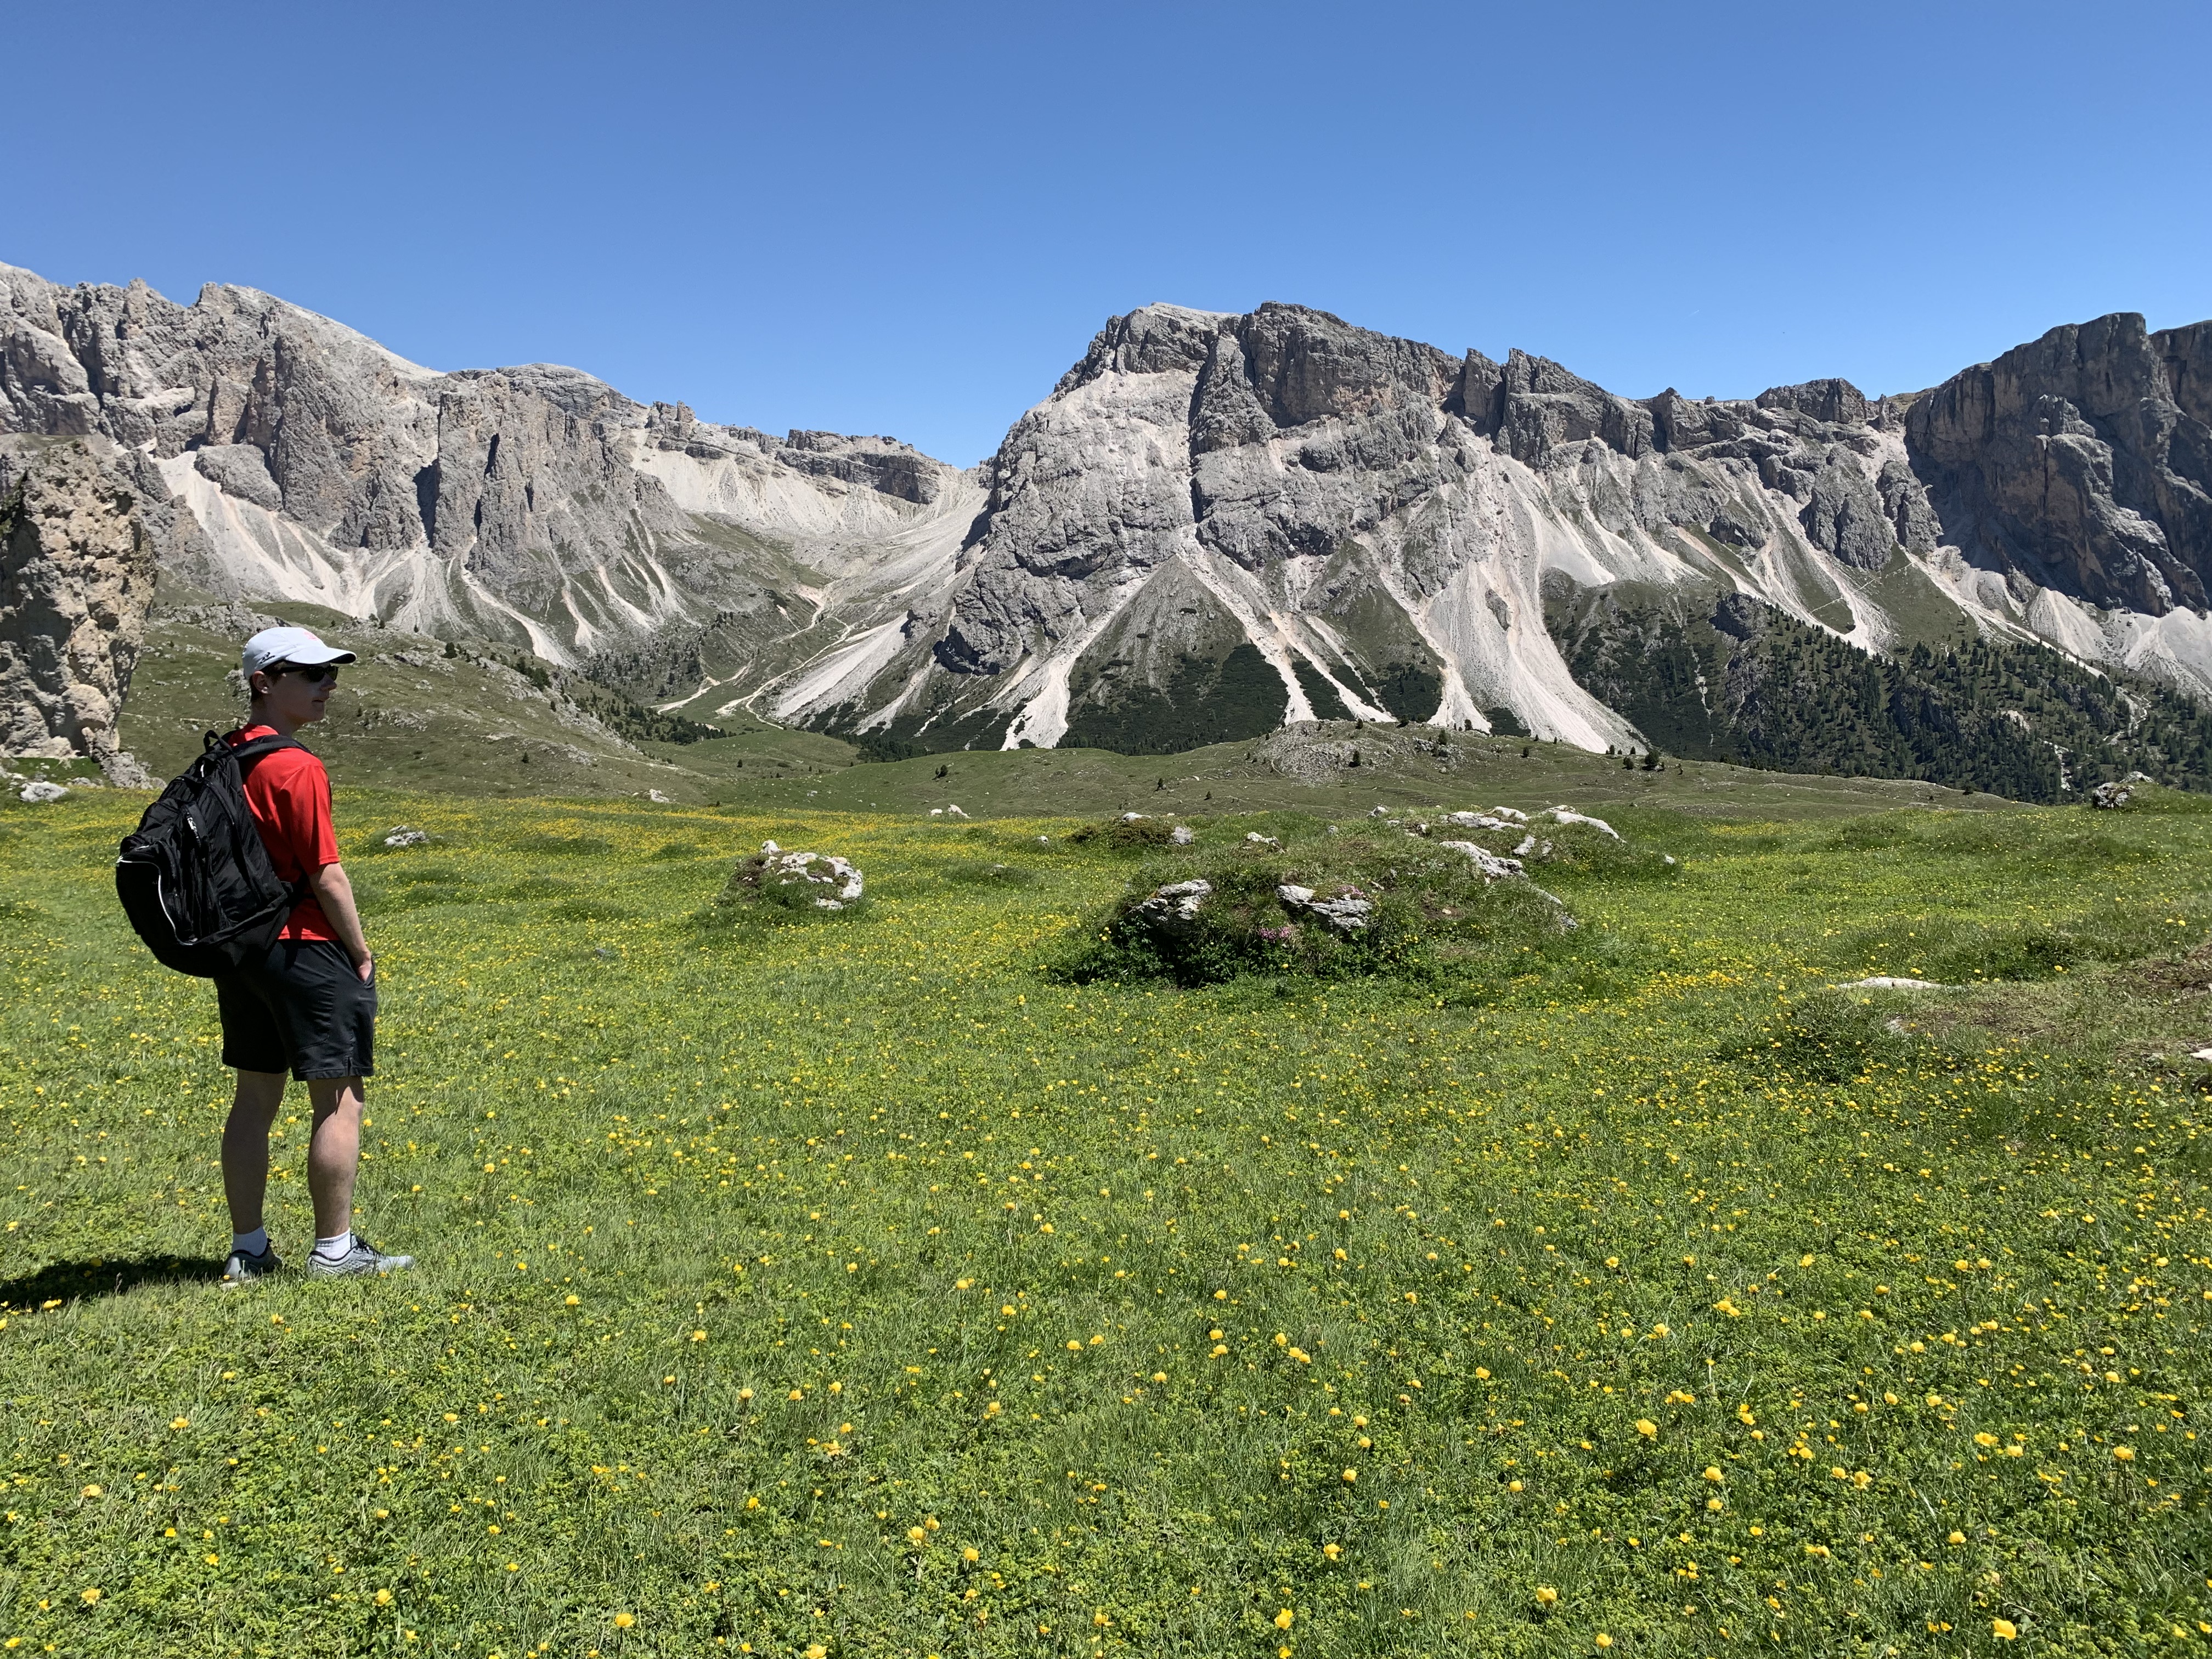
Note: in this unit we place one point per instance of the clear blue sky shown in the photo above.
(910, 218)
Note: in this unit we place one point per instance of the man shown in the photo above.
(310, 1006)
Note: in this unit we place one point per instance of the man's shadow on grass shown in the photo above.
(80, 1281)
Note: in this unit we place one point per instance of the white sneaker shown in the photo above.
(243, 1269)
(361, 1257)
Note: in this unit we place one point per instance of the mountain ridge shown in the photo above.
(1204, 500)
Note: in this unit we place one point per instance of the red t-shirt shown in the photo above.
(289, 795)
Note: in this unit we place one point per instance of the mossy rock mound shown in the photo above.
(1397, 910)
(1432, 898)
(1133, 832)
(773, 885)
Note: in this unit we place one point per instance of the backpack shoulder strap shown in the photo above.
(257, 749)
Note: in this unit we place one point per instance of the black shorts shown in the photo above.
(302, 1010)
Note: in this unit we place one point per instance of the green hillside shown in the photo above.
(471, 718)
(479, 719)
(1743, 682)
(1399, 769)
(468, 716)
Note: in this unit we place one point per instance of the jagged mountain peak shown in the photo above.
(1278, 514)
(1215, 522)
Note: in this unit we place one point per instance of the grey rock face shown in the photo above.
(884, 464)
(528, 485)
(1844, 515)
(2071, 460)
(527, 503)
(1542, 407)
(1156, 340)
(1837, 401)
(2185, 354)
(1340, 410)
(76, 574)
(1277, 516)
(242, 470)
(1905, 499)
(1365, 513)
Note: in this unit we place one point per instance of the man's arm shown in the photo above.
(335, 894)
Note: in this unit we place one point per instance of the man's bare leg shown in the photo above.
(334, 1156)
(334, 1152)
(253, 1110)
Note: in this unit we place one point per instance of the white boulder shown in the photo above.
(1174, 908)
(1568, 815)
(839, 878)
(1346, 912)
(41, 792)
(1487, 864)
(402, 835)
(1182, 834)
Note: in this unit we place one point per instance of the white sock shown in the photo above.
(253, 1243)
(331, 1249)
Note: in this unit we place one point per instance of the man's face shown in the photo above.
(298, 695)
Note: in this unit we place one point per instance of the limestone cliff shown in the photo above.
(2081, 461)
(534, 504)
(1213, 524)
(76, 574)
(1216, 523)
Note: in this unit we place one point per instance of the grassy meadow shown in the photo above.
(857, 1286)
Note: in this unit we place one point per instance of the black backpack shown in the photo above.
(195, 880)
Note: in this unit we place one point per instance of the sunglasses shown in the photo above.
(327, 674)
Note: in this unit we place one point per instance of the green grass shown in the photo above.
(745, 1252)
(1476, 770)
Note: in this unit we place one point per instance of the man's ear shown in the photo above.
(257, 685)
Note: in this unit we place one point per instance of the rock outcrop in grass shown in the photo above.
(774, 882)
(1430, 898)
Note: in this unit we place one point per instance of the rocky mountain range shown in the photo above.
(1213, 525)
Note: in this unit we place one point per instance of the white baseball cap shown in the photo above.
(297, 646)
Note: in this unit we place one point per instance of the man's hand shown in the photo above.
(335, 894)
